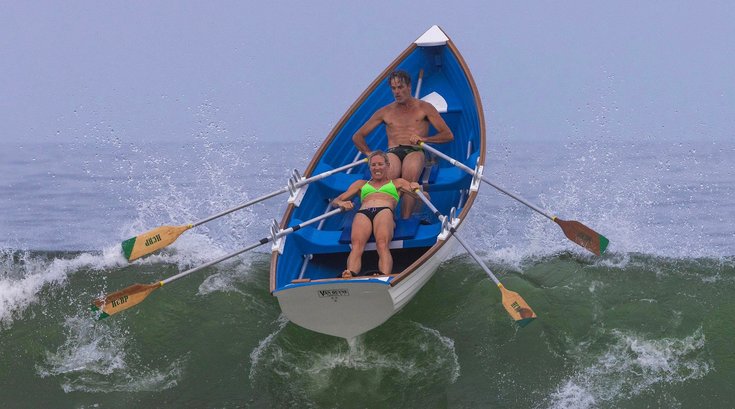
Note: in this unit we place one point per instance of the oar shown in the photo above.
(418, 83)
(122, 300)
(160, 237)
(516, 306)
(574, 230)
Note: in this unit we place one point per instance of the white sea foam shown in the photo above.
(429, 352)
(264, 344)
(28, 274)
(95, 358)
(449, 345)
(629, 367)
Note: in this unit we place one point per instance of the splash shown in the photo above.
(414, 358)
(27, 273)
(95, 358)
(630, 366)
(666, 200)
(449, 346)
(257, 354)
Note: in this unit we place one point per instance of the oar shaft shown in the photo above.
(252, 246)
(486, 180)
(474, 255)
(330, 172)
(213, 262)
(418, 83)
(242, 206)
(280, 191)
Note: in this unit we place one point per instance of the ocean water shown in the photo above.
(649, 324)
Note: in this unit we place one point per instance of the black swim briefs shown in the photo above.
(402, 150)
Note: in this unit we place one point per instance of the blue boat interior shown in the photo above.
(320, 251)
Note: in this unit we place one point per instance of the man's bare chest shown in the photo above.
(403, 118)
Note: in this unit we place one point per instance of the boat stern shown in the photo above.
(342, 308)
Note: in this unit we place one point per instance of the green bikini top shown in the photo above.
(388, 188)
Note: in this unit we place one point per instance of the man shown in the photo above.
(406, 122)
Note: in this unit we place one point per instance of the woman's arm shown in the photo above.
(344, 201)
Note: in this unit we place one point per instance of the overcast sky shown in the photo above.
(548, 70)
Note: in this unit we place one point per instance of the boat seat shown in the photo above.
(445, 101)
(450, 178)
(315, 241)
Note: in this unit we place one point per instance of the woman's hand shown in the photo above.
(345, 205)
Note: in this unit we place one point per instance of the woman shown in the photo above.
(379, 198)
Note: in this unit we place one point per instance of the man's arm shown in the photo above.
(443, 133)
(406, 186)
(359, 137)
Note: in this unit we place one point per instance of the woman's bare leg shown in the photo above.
(383, 226)
(361, 230)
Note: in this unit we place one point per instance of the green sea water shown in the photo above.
(648, 325)
(624, 331)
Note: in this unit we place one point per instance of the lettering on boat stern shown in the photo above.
(334, 294)
(152, 240)
(119, 301)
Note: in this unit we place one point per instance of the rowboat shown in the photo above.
(306, 265)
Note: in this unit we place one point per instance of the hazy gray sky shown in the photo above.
(163, 70)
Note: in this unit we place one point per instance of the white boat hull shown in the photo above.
(349, 308)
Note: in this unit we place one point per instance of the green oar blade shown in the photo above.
(517, 307)
(150, 241)
(118, 301)
(583, 235)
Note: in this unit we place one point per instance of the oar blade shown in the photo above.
(517, 307)
(118, 301)
(150, 241)
(583, 235)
